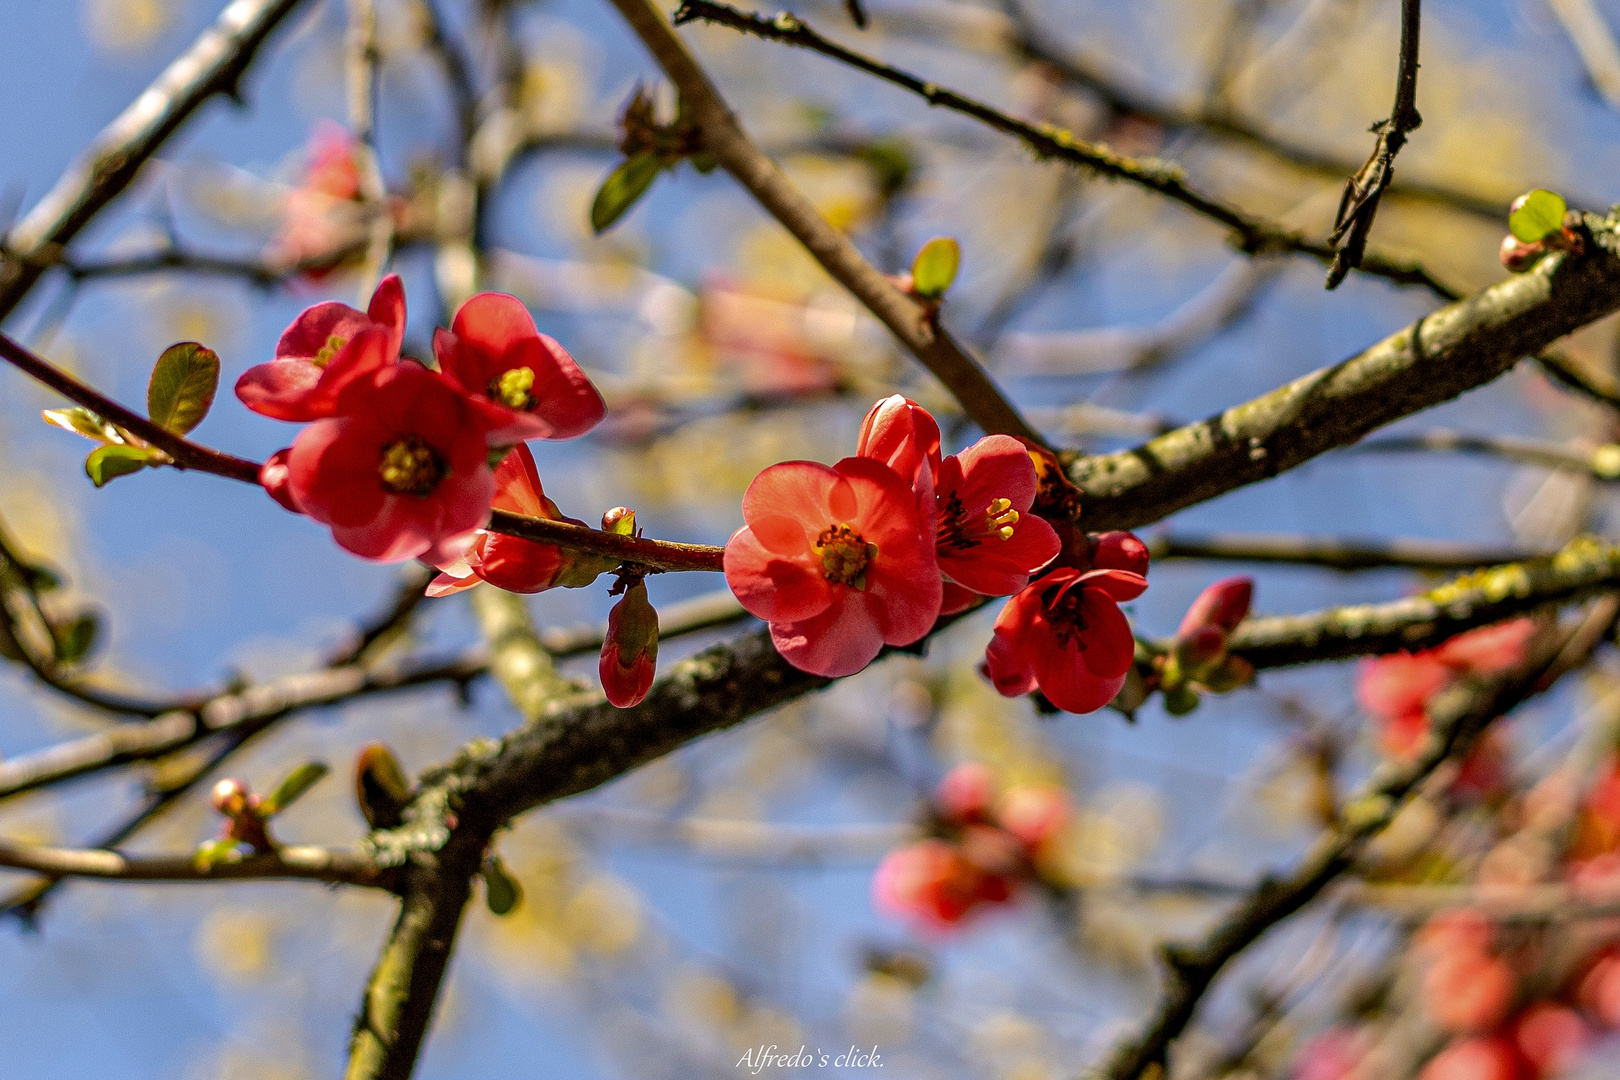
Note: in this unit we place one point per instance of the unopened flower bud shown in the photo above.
(380, 786)
(1229, 674)
(1223, 604)
(1033, 812)
(1198, 648)
(630, 651)
(620, 520)
(965, 793)
(231, 797)
(1119, 551)
(903, 435)
(1517, 256)
(274, 477)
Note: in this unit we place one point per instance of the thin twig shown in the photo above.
(980, 399)
(1333, 553)
(295, 863)
(1250, 234)
(214, 64)
(1362, 192)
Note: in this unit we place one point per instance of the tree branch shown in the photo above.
(725, 139)
(294, 863)
(214, 64)
(1250, 234)
(1332, 553)
(1457, 348)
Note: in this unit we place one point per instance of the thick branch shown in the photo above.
(213, 65)
(725, 139)
(1586, 566)
(1443, 354)
(1250, 234)
(1333, 553)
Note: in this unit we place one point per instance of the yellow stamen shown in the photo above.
(329, 350)
(1000, 518)
(410, 466)
(844, 555)
(512, 388)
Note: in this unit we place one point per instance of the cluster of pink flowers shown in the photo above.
(982, 849)
(842, 560)
(395, 459)
(1396, 690)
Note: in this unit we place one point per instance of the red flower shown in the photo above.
(523, 382)
(1034, 813)
(324, 350)
(840, 561)
(987, 540)
(630, 651)
(400, 473)
(322, 216)
(275, 478)
(965, 793)
(903, 435)
(1066, 635)
(512, 563)
(1488, 650)
(934, 884)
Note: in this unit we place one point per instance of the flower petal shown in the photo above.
(771, 587)
(1109, 646)
(840, 641)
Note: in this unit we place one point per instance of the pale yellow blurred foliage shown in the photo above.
(276, 1058)
(1118, 931)
(880, 1009)
(999, 208)
(771, 260)
(978, 724)
(697, 997)
(841, 189)
(765, 1025)
(659, 785)
(1115, 831)
(1412, 831)
(236, 944)
(711, 461)
(555, 95)
(1012, 1046)
(127, 26)
(1287, 798)
(603, 916)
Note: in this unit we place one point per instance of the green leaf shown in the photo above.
(75, 639)
(292, 786)
(40, 579)
(893, 162)
(501, 891)
(105, 463)
(622, 188)
(81, 421)
(182, 386)
(1537, 215)
(934, 268)
(213, 852)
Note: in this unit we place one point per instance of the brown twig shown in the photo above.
(1250, 234)
(1362, 192)
(294, 863)
(1333, 553)
(214, 64)
(722, 137)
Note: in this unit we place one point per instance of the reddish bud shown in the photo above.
(1119, 551)
(274, 477)
(630, 653)
(231, 797)
(1517, 256)
(1550, 1037)
(1598, 991)
(1468, 991)
(965, 793)
(931, 883)
(1034, 813)
(901, 434)
(1199, 648)
(620, 520)
(1223, 604)
(995, 851)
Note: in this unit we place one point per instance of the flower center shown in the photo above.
(329, 350)
(958, 532)
(410, 466)
(845, 555)
(512, 388)
(1066, 621)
